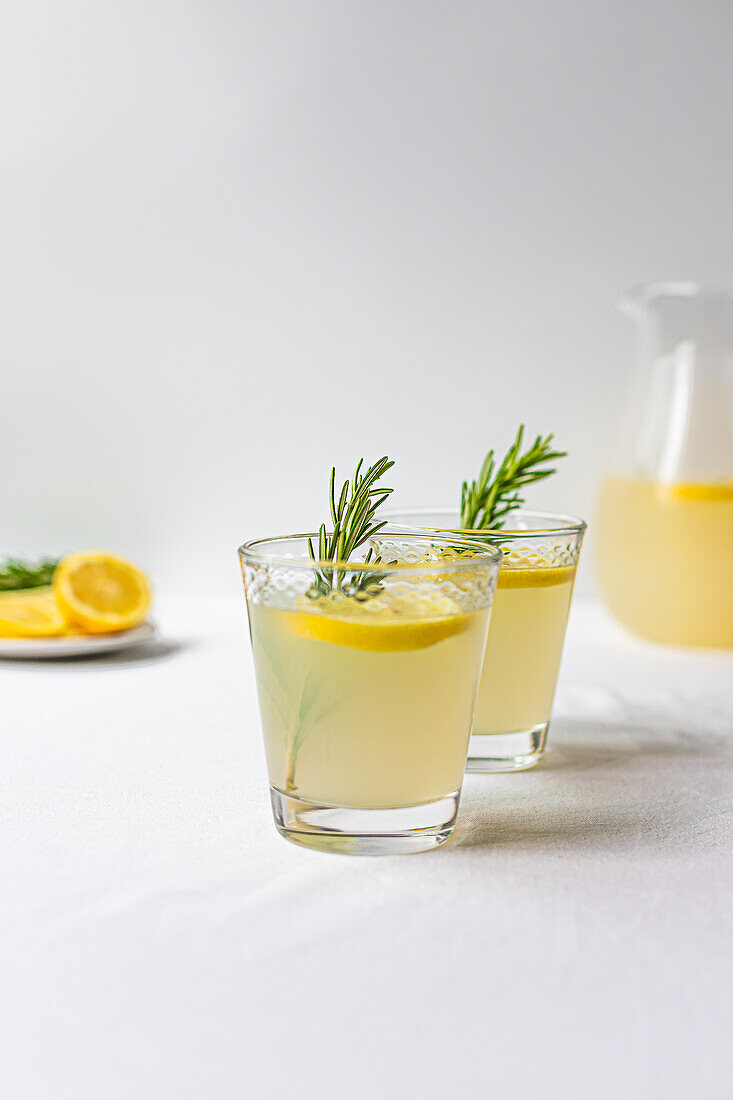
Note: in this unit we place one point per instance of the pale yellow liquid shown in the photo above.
(524, 649)
(665, 559)
(366, 714)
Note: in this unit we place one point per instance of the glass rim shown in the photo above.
(566, 525)
(251, 552)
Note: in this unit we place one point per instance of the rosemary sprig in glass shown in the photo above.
(352, 515)
(488, 500)
(16, 574)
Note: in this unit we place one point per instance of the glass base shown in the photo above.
(506, 752)
(357, 832)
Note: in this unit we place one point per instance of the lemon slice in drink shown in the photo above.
(715, 491)
(387, 628)
(34, 613)
(541, 576)
(100, 592)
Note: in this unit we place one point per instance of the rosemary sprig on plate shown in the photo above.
(488, 500)
(352, 515)
(16, 574)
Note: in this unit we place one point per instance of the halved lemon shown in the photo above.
(34, 613)
(100, 592)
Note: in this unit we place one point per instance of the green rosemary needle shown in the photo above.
(16, 574)
(352, 515)
(488, 500)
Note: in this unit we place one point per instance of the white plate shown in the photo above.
(74, 645)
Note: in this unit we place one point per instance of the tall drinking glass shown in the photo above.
(540, 556)
(367, 675)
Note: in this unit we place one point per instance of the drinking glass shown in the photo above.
(536, 577)
(366, 676)
(664, 533)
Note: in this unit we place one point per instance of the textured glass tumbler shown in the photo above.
(527, 633)
(367, 675)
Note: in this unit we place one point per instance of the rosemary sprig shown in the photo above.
(352, 515)
(16, 574)
(487, 501)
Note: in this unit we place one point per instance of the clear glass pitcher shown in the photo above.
(664, 532)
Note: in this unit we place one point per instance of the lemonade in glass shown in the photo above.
(524, 648)
(367, 685)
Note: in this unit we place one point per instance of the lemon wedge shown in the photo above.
(30, 614)
(100, 592)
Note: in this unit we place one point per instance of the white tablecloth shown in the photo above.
(158, 939)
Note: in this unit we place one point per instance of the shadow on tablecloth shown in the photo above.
(605, 785)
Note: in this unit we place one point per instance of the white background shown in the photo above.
(240, 241)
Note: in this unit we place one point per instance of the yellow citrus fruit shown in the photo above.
(718, 491)
(540, 576)
(33, 613)
(100, 592)
(378, 635)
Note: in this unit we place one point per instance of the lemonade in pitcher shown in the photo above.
(664, 538)
(680, 540)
